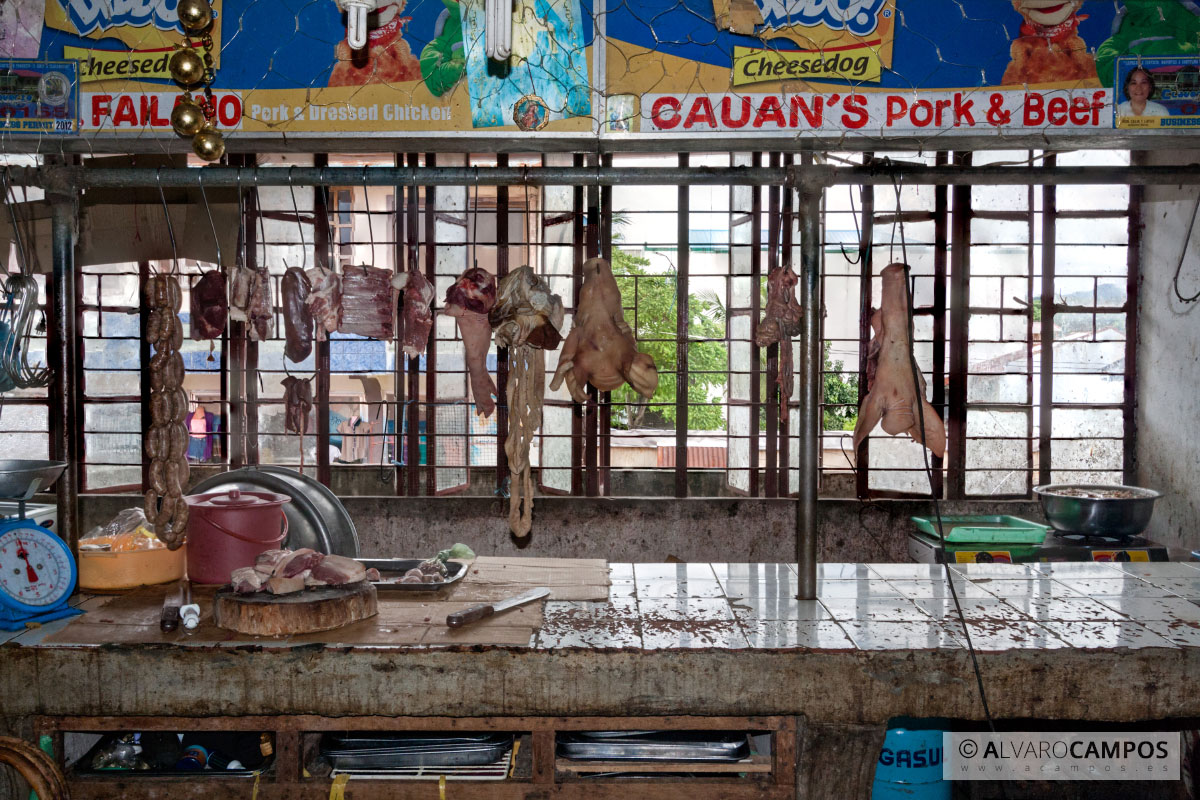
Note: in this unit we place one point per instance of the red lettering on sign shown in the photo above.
(856, 111)
(1034, 109)
(101, 108)
(229, 110)
(962, 111)
(897, 109)
(727, 109)
(702, 112)
(665, 113)
(149, 112)
(125, 113)
(814, 116)
(1056, 110)
(769, 110)
(926, 113)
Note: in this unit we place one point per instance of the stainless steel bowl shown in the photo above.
(1115, 517)
(21, 479)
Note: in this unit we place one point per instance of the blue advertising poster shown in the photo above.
(649, 68)
(39, 97)
(1157, 92)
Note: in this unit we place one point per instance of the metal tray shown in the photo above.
(420, 751)
(391, 570)
(654, 746)
(366, 741)
(316, 517)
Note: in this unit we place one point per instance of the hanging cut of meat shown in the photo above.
(262, 316)
(209, 308)
(600, 349)
(298, 402)
(892, 395)
(417, 319)
(325, 300)
(781, 320)
(242, 281)
(367, 302)
(469, 300)
(297, 319)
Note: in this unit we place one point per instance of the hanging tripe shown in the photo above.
(892, 394)
(600, 349)
(192, 69)
(527, 319)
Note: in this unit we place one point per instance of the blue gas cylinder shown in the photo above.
(910, 766)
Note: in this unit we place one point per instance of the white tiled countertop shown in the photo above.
(886, 607)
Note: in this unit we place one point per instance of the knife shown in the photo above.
(476, 613)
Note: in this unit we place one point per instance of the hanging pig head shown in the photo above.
(600, 349)
(469, 300)
(892, 396)
(526, 311)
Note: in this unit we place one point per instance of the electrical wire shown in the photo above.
(987, 712)
(1183, 255)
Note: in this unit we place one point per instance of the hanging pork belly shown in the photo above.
(297, 319)
(324, 300)
(893, 396)
(262, 307)
(367, 302)
(209, 307)
(469, 300)
(416, 318)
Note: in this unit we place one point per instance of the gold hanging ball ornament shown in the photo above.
(187, 67)
(187, 118)
(209, 144)
(194, 15)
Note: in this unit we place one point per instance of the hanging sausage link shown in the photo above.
(166, 442)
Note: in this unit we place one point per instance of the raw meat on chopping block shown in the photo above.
(469, 300)
(892, 396)
(289, 571)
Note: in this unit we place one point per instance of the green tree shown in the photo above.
(839, 389)
(653, 320)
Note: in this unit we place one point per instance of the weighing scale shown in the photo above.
(37, 572)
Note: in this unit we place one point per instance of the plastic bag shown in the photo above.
(126, 532)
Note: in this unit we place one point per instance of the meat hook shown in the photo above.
(170, 227)
(299, 225)
(208, 211)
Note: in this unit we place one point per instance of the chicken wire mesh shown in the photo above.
(101, 76)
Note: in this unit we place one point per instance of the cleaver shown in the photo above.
(476, 613)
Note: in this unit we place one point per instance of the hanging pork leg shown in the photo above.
(469, 300)
(892, 395)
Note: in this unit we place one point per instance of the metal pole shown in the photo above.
(810, 436)
(816, 174)
(63, 438)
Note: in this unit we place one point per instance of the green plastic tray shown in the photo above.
(985, 528)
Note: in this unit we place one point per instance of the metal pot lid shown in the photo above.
(316, 518)
(235, 498)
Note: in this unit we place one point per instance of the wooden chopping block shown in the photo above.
(320, 609)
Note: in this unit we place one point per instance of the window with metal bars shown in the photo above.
(1025, 312)
(998, 271)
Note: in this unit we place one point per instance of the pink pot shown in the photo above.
(229, 529)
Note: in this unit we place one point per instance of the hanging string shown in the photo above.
(1187, 240)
